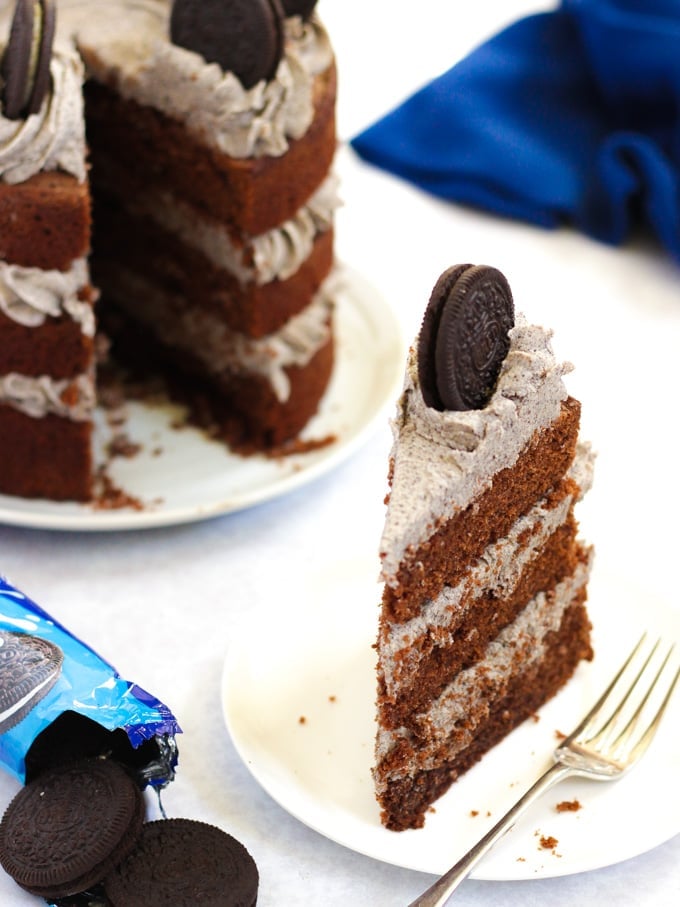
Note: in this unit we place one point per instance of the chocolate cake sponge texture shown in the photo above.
(200, 201)
(483, 616)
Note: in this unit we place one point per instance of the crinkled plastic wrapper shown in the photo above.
(60, 700)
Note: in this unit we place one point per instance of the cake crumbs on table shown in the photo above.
(568, 806)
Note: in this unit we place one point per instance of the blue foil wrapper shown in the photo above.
(59, 699)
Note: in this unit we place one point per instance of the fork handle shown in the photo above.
(438, 894)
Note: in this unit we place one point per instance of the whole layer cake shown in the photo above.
(213, 200)
(482, 616)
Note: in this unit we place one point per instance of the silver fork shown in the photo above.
(609, 740)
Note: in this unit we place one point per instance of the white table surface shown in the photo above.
(616, 315)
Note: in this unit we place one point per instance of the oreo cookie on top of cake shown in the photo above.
(211, 135)
(482, 616)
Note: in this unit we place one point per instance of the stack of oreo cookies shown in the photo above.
(76, 836)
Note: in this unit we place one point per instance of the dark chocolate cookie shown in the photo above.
(243, 36)
(184, 863)
(427, 372)
(303, 8)
(41, 72)
(25, 67)
(465, 339)
(29, 668)
(64, 831)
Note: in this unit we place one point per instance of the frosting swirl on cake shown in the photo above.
(445, 459)
(130, 39)
(53, 138)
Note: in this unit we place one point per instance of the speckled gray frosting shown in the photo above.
(54, 137)
(443, 460)
(29, 296)
(451, 720)
(125, 42)
(42, 396)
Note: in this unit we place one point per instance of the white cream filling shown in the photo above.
(19, 705)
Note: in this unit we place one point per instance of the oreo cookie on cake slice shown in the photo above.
(29, 668)
(464, 338)
(64, 831)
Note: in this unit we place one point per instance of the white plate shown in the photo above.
(319, 769)
(181, 475)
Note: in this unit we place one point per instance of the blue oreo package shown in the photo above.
(60, 700)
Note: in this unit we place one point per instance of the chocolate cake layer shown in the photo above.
(48, 457)
(251, 194)
(44, 221)
(444, 651)
(462, 539)
(405, 790)
(58, 348)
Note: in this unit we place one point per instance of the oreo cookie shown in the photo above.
(29, 668)
(184, 863)
(464, 337)
(303, 8)
(242, 36)
(63, 832)
(25, 67)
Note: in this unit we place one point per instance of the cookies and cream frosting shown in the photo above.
(126, 42)
(443, 460)
(29, 296)
(70, 398)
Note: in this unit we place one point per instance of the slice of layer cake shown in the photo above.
(211, 129)
(46, 301)
(483, 615)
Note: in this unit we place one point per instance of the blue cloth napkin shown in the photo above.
(569, 116)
